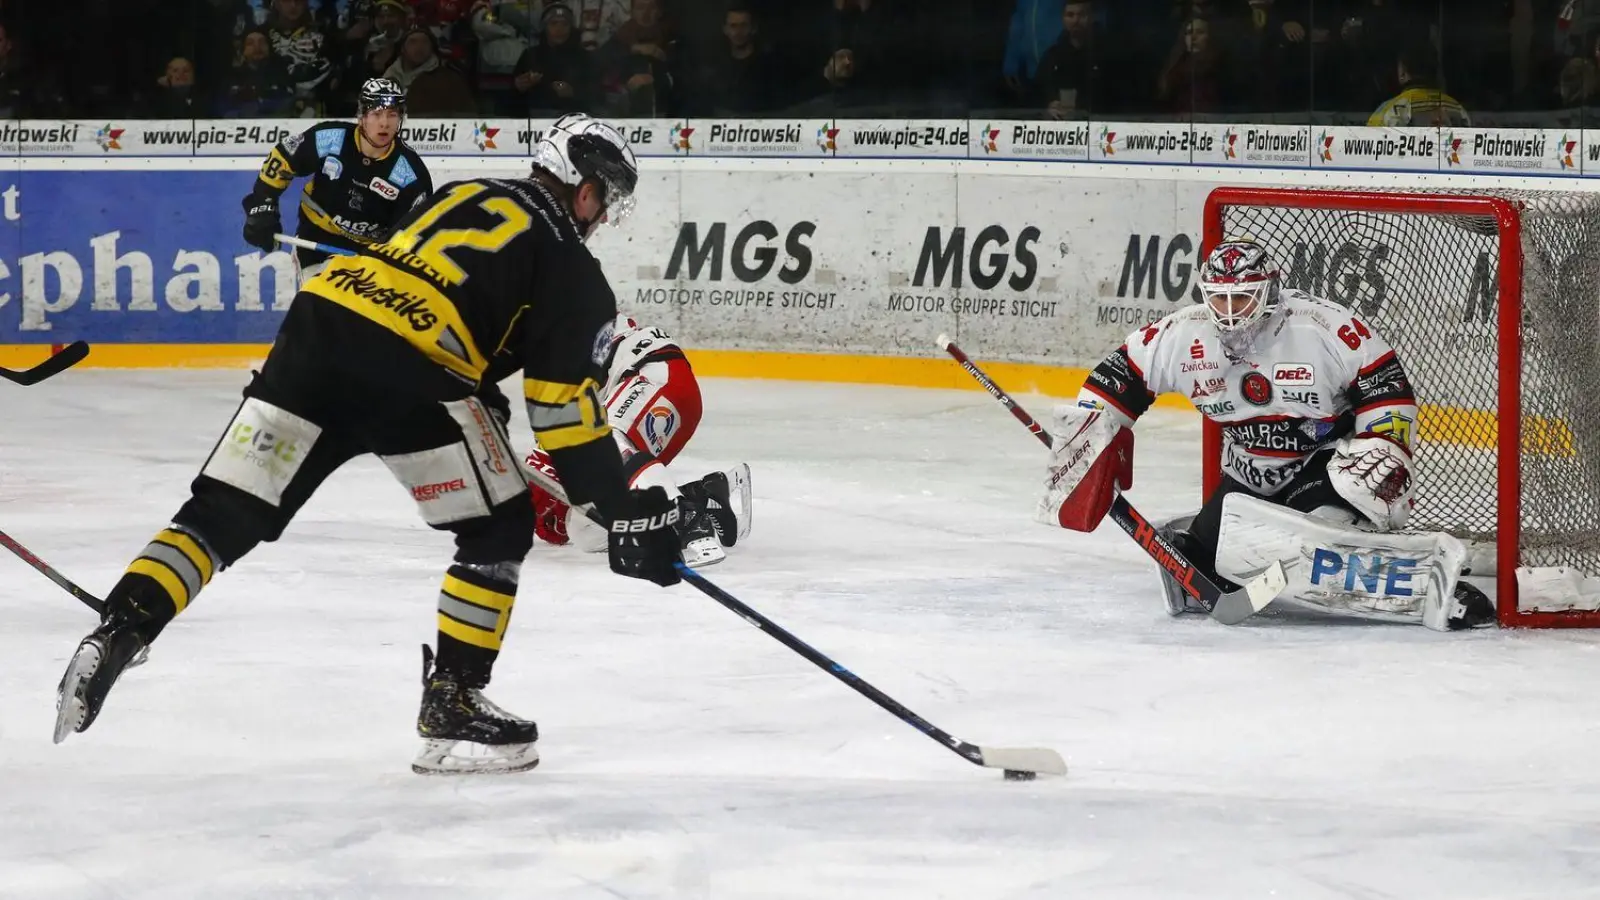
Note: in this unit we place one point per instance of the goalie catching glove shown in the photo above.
(1091, 457)
(1373, 475)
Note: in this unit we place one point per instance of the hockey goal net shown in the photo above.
(1492, 301)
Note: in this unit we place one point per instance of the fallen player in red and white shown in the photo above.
(1317, 417)
(653, 402)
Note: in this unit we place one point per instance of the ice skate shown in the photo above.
(1471, 608)
(698, 533)
(465, 734)
(99, 661)
(725, 496)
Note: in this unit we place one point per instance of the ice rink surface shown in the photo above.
(263, 752)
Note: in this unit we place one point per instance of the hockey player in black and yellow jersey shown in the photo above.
(364, 179)
(396, 352)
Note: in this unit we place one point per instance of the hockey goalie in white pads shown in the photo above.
(1317, 414)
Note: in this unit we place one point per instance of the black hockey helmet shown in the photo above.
(378, 93)
(578, 148)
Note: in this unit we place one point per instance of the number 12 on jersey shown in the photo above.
(430, 243)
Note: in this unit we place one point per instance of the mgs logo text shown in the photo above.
(756, 252)
(988, 263)
(993, 258)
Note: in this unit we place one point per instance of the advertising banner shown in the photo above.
(1351, 147)
(1507, 151)
(123, 257)
(1512, 151)
(97, 137)
(764, 137)
(804, 259)
(1052, 141)
(898, 138)
(1151, 142)
(1282, 146)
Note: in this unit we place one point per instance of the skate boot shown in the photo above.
(697, 533)
(1471, 608)
(725, 496)
(464, 734)
(121, 642)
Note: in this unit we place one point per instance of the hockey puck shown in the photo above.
(1020, 775)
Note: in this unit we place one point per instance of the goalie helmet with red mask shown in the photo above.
(1240, 286)
(579, 150)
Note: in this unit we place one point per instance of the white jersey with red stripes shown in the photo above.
(1312, 373)
(651, 396)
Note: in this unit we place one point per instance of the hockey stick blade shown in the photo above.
(1028, 759)
(1228, 608)
(1046, 762)
(1236, 606)
(45, 569)
(70, 355)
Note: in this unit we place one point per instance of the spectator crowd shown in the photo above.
(1419, 62)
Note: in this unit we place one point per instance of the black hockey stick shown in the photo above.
(65, 583)
(70, 355)
(1018, 763)
(1230, 607)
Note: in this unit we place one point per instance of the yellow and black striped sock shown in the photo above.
(178, 563)
(474, 610)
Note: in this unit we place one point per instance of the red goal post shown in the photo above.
(1413, 261)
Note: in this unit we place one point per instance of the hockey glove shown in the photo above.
(550, 513)
(644, 543)
(1373, 474)
(261, 222)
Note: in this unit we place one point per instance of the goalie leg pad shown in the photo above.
(1091, 456)
(1392, 577)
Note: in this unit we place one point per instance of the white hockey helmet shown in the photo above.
(1239, 284)
(580, 149)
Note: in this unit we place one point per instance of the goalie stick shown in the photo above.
(70, 355)
(1230, 607)
(1018, 759)
(65, 583)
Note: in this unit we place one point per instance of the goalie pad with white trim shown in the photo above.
(1392, 577)
(1373, 474)
(1091, 455)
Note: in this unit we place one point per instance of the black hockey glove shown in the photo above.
(261, 222)
(644, 543)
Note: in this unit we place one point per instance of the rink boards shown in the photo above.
(810, 269)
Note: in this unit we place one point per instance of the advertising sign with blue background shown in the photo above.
(136, 257)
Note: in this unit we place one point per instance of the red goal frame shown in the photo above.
(1508, 220)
